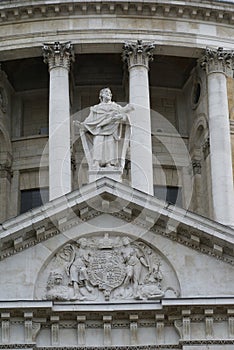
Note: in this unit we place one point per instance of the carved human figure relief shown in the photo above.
(107, 268)
(105, 133)
(77, 269)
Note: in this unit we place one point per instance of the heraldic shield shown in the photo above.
(106, 271)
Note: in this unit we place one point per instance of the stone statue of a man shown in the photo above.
(106, 133)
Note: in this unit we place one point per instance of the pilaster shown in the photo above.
(230, 313)
(107, 330)
(54, 330)
(133, 329)
(186, 324)
(160, 331)
(5, 316)
(209, 322)
(81, 330)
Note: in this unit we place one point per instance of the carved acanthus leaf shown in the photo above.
(138, 53)
(58, 54)
(219, 60)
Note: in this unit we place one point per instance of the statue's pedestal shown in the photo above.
(115, 174)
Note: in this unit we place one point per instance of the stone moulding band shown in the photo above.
(207, 342)
(18, 346)
(128, 347)
(144, 347)
(219, 12)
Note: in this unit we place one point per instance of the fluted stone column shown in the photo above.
(58, 56)
(137, 55)
(218, 64)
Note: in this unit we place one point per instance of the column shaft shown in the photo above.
(59, 134)
(218, 63)
(138, 56)
(220, 149)
(58, 57)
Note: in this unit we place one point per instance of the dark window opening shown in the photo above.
(170, 194)
(33, 198)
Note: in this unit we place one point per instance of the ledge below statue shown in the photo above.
(112, 173)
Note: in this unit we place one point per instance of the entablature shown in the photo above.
(74, 15)
(37, 321)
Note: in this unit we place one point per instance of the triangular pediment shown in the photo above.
(110, 246)
(107, 196)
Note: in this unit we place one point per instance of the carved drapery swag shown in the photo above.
(138, 53)
(58, 54)
(219, 60)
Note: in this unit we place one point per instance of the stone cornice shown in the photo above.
(167, 311)
(226, 303)
(214, 11)
(138, 208)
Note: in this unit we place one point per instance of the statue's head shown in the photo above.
(82, 242)
(105, 95)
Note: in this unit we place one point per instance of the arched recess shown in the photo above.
(103, 267)
(5, 170)
(199, 152)
(199, 133)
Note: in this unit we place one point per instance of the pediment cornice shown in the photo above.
(106, 196)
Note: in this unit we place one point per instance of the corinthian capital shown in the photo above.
(138, 54)
(58, 55)
(219, 60)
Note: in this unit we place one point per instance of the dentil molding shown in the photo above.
(27, 10)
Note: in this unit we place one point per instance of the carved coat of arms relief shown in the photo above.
(107, 268)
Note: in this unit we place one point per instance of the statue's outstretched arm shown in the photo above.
(128, 108)
(79, 125)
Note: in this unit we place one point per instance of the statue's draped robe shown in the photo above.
(106, 132)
